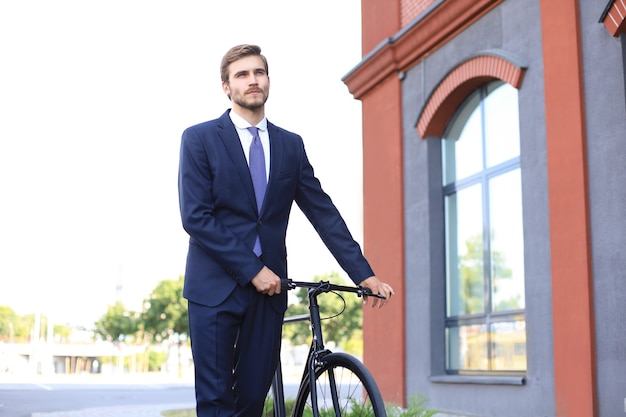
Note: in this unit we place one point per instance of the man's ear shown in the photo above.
(226, 88)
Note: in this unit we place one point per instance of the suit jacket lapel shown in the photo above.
(232, 144)
(276, 161)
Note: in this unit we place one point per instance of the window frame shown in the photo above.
(488, 317)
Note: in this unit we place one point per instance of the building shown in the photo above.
(494, 135)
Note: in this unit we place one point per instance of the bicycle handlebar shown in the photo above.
(326, 286)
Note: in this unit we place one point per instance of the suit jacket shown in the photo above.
(219, 211)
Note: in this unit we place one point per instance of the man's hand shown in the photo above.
(266, 282)
(379, 288)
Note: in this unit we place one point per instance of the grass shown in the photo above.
(268, 410)
(179, 413)
(416, 408)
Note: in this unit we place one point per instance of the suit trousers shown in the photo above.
(236, 348)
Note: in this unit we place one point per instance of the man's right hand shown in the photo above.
(266, 282)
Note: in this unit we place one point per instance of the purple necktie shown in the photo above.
(257, 172)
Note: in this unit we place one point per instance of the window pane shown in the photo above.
(501, 125)
(485, 327)
(507, 242)
(464, 241)
(509, 346)
(462, 147)
(467, 348)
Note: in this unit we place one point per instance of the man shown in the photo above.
(238, 177)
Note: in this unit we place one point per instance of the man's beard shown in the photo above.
(241, 101)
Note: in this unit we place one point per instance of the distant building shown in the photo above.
(494, 135)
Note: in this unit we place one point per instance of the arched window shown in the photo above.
(484, 241)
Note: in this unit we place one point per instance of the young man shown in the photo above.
(239, 175)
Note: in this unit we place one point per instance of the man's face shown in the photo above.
(248, 83)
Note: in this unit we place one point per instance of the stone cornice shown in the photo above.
(426, 33)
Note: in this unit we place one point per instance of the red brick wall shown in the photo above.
(410, 9)
(383, 235)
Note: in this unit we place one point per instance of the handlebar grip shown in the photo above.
(367, 292)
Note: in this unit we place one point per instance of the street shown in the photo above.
(23, 396)
(20, 397)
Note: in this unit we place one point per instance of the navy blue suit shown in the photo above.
(218, 210)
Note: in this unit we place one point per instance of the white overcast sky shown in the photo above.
(94, 96)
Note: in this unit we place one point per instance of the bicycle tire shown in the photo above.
(357, 392)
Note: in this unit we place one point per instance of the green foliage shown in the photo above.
(472, 276)
(268, 408)
(16, 328)
(417, 408)
(356, 409)
(12, 326)
(345, 330)
(117, 324)
(63, 332)
(156, 360)
(298, 333)
(180, 413)
(166, 313)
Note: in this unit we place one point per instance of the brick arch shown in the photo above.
(460, 82)
(614, 17)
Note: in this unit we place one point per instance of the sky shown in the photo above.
(94, 97)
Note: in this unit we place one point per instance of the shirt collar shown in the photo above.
(241, 123)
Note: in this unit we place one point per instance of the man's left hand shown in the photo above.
(377, 287)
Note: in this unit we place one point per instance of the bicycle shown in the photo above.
(333, 383)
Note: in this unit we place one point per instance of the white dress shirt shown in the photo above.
(246, 138)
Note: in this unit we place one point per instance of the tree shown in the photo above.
(166, 311)
(9, 320)
(63, 332)
(117, 324)
(472, 277)
(166, 314)
(16, 328)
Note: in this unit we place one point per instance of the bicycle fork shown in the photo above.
(317, 362)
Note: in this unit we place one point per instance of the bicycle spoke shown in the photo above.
(339, 385)
(342, 388)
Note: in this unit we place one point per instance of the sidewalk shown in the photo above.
(153, 410)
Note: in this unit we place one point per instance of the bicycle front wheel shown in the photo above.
(344, 387)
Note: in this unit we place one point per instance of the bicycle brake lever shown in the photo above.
(364, 292)
(367, 292)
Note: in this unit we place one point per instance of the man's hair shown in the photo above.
(238, 52)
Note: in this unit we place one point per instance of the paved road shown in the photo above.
(98, 396)
(93, 396)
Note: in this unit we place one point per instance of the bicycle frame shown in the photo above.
(317, 350)
(277, 383)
